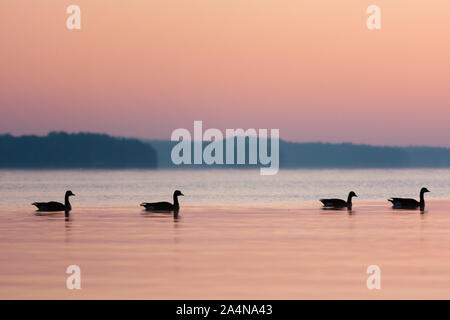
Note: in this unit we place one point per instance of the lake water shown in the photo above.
(239, 235)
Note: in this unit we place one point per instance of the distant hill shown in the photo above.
(81, 150)
(88, 150)
(342, 155)
(347, 155)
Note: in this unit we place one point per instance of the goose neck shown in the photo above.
(349, 200)
(422, 198)
(67, 203)
(175, 201)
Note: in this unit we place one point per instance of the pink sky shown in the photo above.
(310, 68)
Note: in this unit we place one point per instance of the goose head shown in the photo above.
(178, 193)
(69, 193)
(352, 194)
(423, 190)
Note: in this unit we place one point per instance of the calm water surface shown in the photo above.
(238, 235)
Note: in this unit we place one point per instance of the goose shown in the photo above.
(164, 206)
(55, 206)
(407, 203)
(339, 203)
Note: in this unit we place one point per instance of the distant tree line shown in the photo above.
(327, 155)
(89, 150)
(81, 150)
(347, 155)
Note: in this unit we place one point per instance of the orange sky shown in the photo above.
(310, 68)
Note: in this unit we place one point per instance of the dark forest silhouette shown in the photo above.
(81, 150)
(89, 150)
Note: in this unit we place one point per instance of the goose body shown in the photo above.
(407, 203)
(339, 203)
(164, 206)
(54, 206)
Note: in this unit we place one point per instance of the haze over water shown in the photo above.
(239, 235)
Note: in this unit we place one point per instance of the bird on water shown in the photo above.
(55, 206)
(164, 206)
(407, 203)
(338, 203)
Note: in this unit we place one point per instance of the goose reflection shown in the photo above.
(51, 214)
(162, 213)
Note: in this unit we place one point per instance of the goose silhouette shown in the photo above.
(164, 206)
(54, 206)
(407, 203)
(339, 203)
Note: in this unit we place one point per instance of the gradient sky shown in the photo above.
(310, 68)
